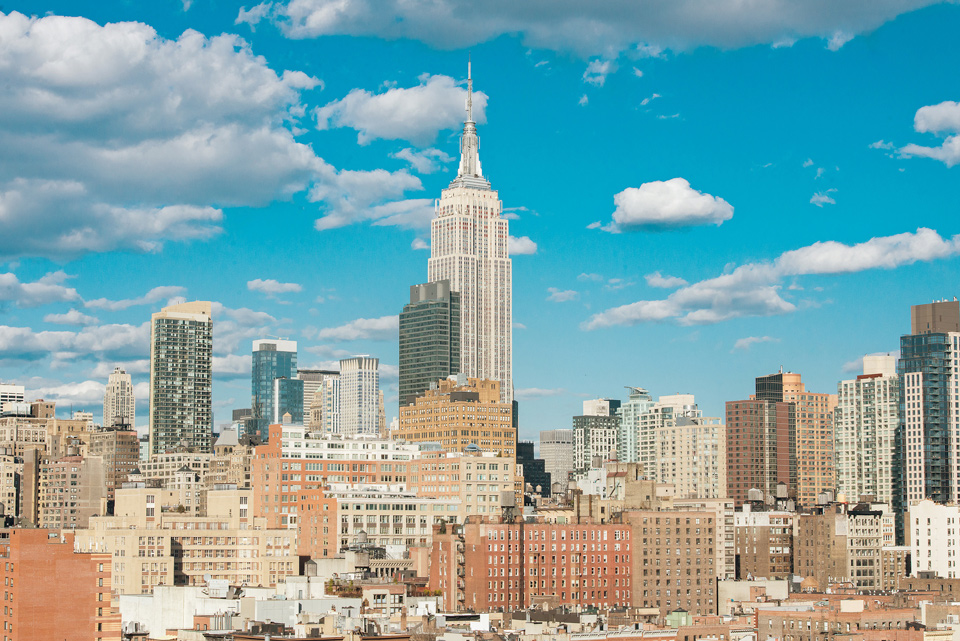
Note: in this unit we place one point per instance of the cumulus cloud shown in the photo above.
(584, 100)
(384, 328)
(822, 198)
(118, 341)
(603, 28)
(84, 394)
(423, 161)
(365, 196)
(943, 118)
(232, 365)
(419, 243)
(114, 137)
(754, 289)
(416, 114)
(656, 279)
(73, 317)
(49, 289)
(667, 204)
(597, 71)
(562, 296)
(521, 246)
(272, 288)
(155, 295)
(744, 344)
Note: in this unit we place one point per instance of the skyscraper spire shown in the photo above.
(470, 145)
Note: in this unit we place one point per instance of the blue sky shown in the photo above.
(699, 194)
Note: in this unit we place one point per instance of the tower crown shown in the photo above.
(470, 174)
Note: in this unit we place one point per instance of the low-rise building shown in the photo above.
(764, 542)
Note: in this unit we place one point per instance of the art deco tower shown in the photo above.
(468, 247)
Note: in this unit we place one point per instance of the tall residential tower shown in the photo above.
(429, 338)
(181, 355)
(119, 406)
(469, 248)
(273, 360)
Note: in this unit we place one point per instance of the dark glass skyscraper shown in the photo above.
(272, 359)
(429, 338)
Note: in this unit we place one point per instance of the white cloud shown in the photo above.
(100, 341)
(362, 196)
(419, 243)
(562, 296)
(838, 39)
(232, 365)
(587, 29)
(103, 369)
(384, 328)
(416, 114)
(822, 198)
(519, 325)
(616, 284)
(665, 205)
(73, 317)
(423, 161)
(808, 162)
(272, 288)
(84, 394)
(529, 393)
(49, 289)
(584, 100)
(584, 277)
(753, 289)
(597, 71)
(521, 246)
(595, 225)
(155, 295)
(656, 279)
(744, 344)
(647, 101)
(194, 124)
(880, 144)
(637, 73)
(937, 119)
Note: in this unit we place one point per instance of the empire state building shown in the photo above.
(469, 248)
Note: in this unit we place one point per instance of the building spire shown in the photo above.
(470, 143)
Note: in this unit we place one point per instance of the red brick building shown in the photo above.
(51, 592)
(486, 565)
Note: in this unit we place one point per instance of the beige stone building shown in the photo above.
(837, 544)
(457, 415)
(475, 481)
(151, 546)
(163, 467)
(120, 449)
(231, 461)
(72, 490)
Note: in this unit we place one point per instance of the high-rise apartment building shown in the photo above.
(429, 338)
(119, 447)
(272, 360)
(866, 421)
(119, 406)
(930, 407)
(459, 413)
(181, 359)
(782, 434)
(556, 448)
(469, 247)
(595, 433)
(359, 395)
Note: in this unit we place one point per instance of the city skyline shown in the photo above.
(750, 198)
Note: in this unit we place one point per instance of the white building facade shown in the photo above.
(359, 396)
(865, 428)
(933, 538)
(470, 248)
(556, 450)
